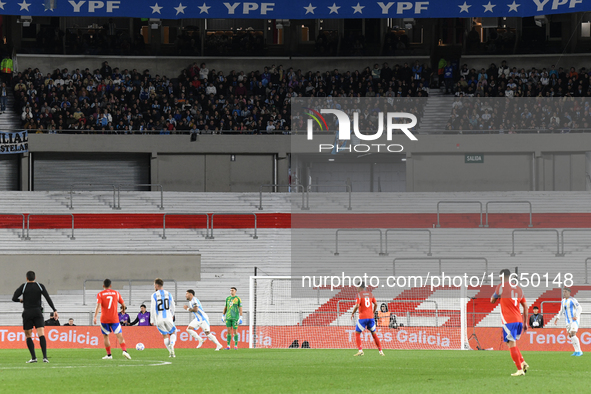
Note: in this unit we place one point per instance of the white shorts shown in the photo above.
(165, 326)
(196, 323)
(574, 326)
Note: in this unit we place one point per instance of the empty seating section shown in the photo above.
(230, 258)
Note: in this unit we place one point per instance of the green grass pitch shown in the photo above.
(291, 371)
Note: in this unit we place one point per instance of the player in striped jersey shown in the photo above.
(162, 315)
(201, 320)
(571, 309)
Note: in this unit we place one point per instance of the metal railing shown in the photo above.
(408, 229)
(234, 213)
(22, 236)
(81, 318)
(161, 206)
(510, 202)
(180, 214)
(458, 202)
(530, 230)
(27, 238)
(297, 186)
(440, 260)
(570, 230)
(91, 184)
(586, 270)
(346, 185)
(542, 308)
(130, 284)
(336, 252)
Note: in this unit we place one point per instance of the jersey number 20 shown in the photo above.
(162, 303)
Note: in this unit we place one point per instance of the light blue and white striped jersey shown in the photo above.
(570, 307)
(161, 306)
(200, 315)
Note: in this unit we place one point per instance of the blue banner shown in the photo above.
(14, 142)
(283, 9)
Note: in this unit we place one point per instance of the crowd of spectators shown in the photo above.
(198, 100)
(557, 99)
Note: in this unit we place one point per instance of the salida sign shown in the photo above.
(344, 132)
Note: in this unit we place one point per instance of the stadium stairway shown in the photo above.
(436, 112)
(10, 120)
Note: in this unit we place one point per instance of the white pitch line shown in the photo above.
(158, 363)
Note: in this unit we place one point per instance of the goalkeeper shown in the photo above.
(232, 316)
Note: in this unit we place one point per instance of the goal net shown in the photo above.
(407, 318)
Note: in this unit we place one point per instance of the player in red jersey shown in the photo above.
(107, 302)
(367, 304)
(513, 321)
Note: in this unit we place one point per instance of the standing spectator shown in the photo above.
(3, 97)
(70, 322)
(52, 321)
(536, 320)
(124, 318)
(143, 318)
(31, 293)
(448, 76)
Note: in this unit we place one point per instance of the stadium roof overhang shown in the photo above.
(287, 9)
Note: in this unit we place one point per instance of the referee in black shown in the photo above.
(31, 292)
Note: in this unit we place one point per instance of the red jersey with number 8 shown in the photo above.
(365, 301)
(510, 298)
(109, 300)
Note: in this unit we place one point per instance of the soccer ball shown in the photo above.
(139, 347)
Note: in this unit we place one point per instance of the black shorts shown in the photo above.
(33, 318)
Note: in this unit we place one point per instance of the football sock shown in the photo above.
(108, 349)
(235, 339)
(576, 344)
(377, 341)
(172, 340)
(123, 347)
(229, 338)
(213, 339)
(193, 333)
(358, 340)
(167, 343)
(43, 344)
(519, 353)
(515, 356)
(31, 347)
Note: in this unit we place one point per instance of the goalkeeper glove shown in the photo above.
(240, 321)
(223, 318)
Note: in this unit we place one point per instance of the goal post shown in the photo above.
(406, 318)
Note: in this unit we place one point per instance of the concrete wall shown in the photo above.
(434, 162)
(69, 271)
(172, 67)
(181, 165)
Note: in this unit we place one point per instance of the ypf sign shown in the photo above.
(344, 130)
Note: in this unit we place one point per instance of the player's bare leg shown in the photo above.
(123, 346)
(107, 347)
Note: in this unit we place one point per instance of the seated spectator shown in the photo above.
(70, 322)
(536, 320)
(143, 318)
(124, 318)
(52, 321)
